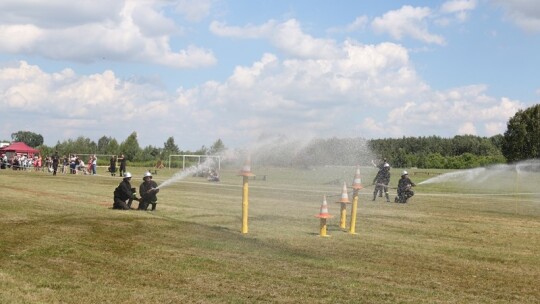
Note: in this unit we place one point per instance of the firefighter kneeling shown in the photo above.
(124, 194)
(404, 189)
(148, 191)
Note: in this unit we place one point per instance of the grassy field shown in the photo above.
(62, 243)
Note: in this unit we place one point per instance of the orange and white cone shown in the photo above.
(324, 210)
(357, 185)
(246, 169)
(344, 195)
(343, 201)
(357, 182)
(323, 215)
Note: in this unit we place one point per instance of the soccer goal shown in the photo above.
(200, 159)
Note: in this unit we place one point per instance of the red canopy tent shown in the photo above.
(19, 147)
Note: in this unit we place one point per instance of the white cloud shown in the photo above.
(494, 128)
(286, 36)
(359, 23)
(129, 30)
(371, 91)
(408, 21)
(460, 8)
(194, 10)
(456, 108)
(247, 32)
(524, 13)
(467, 128)
(58, 13)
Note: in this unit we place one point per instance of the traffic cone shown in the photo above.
(343, 201)
(357, 185)
(246, 169)
(245, 173)
(323, 215)
(324, 210)
(357, 182)
(344, 195)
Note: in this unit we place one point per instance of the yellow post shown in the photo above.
(323, 228)
(245, 205)
(353, 212)
(323, 215)
(343, 219)
(343, 201)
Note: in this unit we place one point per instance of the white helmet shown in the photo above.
(147, 174)
(404, 173)
(127, 175)
(386, 165)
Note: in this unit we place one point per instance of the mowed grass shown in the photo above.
(62, 243)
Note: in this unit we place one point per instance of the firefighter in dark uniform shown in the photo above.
(55, 162)
(124, 194)
(148, 190)
(381, 181)
(404, 189)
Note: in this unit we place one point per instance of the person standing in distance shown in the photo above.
(122, 160)
(148, 190)
(112, 165)
(94, 164)
(55, 162)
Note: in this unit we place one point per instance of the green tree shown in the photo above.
(202, 151)
(103, 144)
(522, 138)
(149, 153)
(30, 138)
(435, 160)
(169, 148)
(45, 150)
(217, 147)
(113, 147)
(130, 147)
(81, 145)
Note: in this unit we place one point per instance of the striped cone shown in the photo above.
(344, 195)
(246, 169)
(357, 182)
(324, 210)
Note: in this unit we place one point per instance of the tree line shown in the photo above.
(521, 141)
(107, 145)
(459, 152)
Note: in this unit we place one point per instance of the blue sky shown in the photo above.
(239, 70)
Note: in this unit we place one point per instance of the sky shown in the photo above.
(242, 70)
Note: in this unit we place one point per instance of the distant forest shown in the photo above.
(459, 152)
(521, 141)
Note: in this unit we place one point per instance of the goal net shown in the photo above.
(190, 158)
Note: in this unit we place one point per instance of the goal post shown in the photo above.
(199, 158)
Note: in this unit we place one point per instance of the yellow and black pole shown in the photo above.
(343, 201)
(245, 173)
(356, 185)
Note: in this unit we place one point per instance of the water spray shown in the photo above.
(207, 164)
